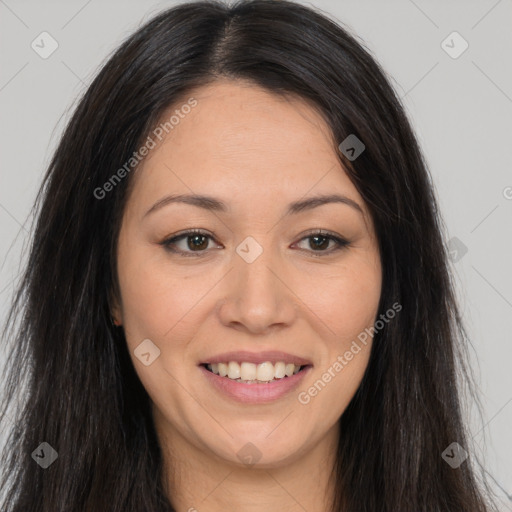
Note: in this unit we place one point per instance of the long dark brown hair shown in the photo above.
(70, 380)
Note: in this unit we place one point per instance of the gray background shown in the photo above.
(460, 107)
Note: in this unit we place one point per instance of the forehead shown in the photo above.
(245, 143)
(240, 121)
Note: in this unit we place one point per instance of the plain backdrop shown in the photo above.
(460, 107)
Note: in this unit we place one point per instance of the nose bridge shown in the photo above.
(255, 266)
(257, 298)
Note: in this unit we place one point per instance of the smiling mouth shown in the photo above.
(250, 373)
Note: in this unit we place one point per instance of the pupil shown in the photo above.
(198, 245)
(320, 246)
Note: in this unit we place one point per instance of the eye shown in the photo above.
(319, 241)
(196, 241)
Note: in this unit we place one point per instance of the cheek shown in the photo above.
(349, 308)
(351, 311)
(148, 305)
(153, 298)
(156, 306)
(348, 300)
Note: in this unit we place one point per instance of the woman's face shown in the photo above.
(255, 282)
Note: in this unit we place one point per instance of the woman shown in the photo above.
(237, 296)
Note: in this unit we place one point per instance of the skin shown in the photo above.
(256, 152)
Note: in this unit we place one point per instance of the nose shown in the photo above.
(257, 299)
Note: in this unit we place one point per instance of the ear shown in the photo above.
(115, 309)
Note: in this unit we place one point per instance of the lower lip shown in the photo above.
(255, 393)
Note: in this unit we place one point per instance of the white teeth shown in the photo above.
(280, 370)
(248, 371)
(251, 373)
(223, 369)
(265, 372)
(233, 370)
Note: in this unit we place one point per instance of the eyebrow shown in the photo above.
(216, 205)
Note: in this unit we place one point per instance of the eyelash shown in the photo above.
(167, 243)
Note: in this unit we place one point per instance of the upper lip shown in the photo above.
(258, 357)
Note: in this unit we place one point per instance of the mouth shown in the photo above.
(255, 378)
(247, 372)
